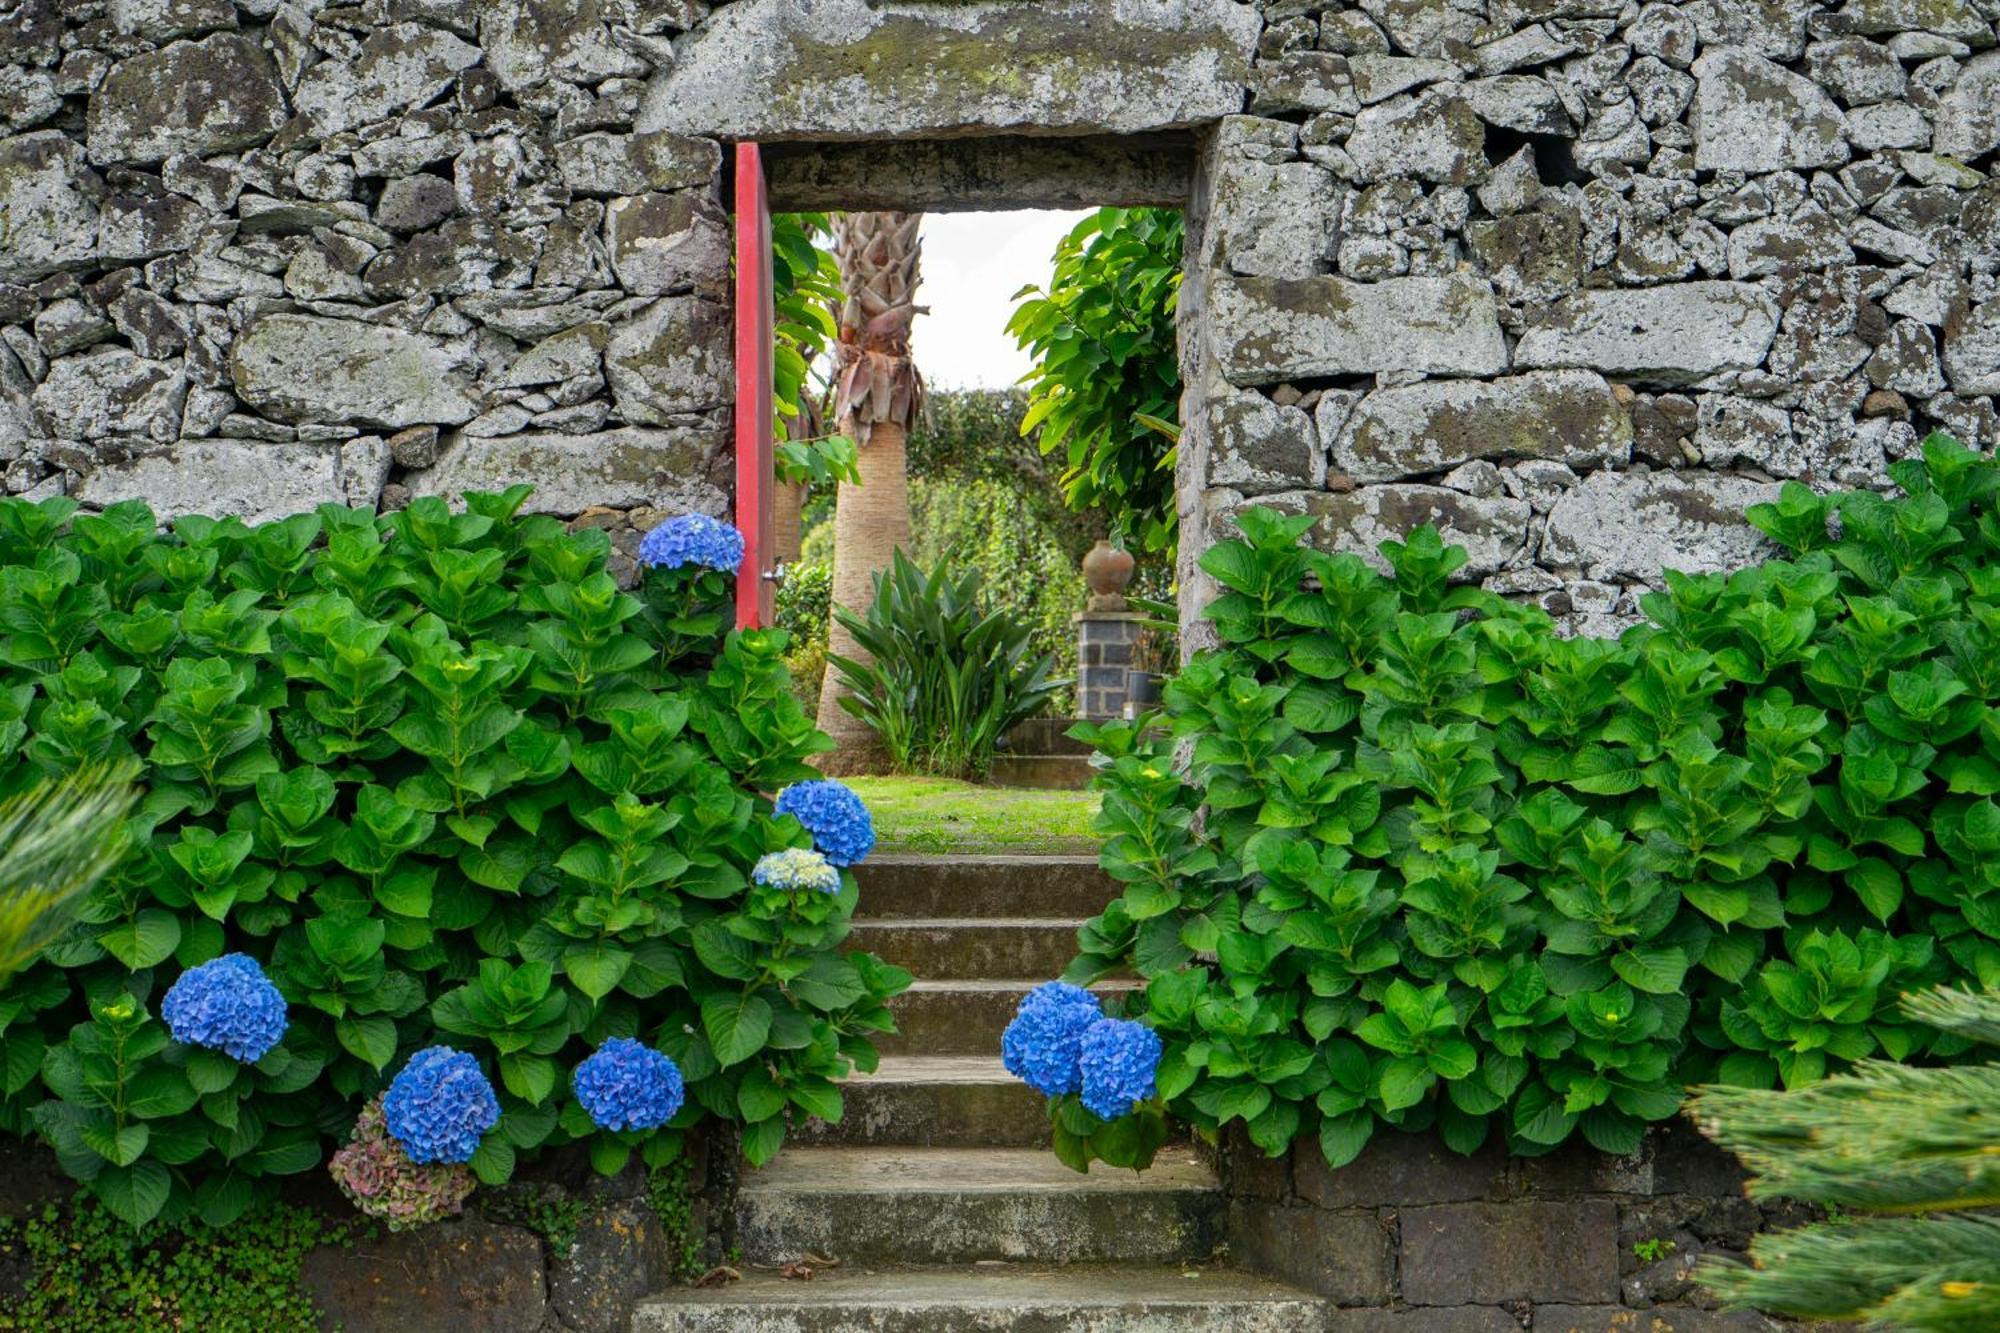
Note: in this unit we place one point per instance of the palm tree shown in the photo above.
(876, 396)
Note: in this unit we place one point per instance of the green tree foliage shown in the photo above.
(1910, 1150)
(1103, 338)
(57, 839)
(947, 674)
(446, 783)
(805, 288)
(1429, 865)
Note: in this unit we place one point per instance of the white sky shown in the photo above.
(973, 264)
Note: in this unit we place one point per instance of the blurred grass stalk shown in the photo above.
(56, 840)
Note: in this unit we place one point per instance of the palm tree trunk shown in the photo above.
(787, 521)
(869, 522)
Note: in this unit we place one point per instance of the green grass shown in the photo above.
(933, 815)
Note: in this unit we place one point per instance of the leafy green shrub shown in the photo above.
(446, 783)
(1429, 865)
(947, 675)
(1107, 358)
(1905, 1155)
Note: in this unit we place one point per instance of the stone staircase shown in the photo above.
(937, 1191)
(1037, 754)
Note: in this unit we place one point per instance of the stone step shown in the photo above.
(942, 950)
(960, 1205)
(1043, 735)
(1044, 772)
(963, 1017)
(990, 1298)
(962, 1101)
(940, 887)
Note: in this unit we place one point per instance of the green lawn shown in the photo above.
(941, 815)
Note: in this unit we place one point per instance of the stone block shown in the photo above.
(1753, 115)
(842, 69)
(1968, 115)
(1257, 446)
(1344, 1256)
(619, 1255)
(1462, 1319)
(1397, 1169)
(254, 480)
(47, 198)
(1275, 221)
(1434, 136)
(1673, 334)
(1486, 1253)
(1941, 18)
(189, 97)
(467, 1276)
(672, 358)
(1622, 526)
(1658, 1319)
(399, 66)
(1972, 350)
(1569, 416)
(1273, 329)
(621, 469)
(530, 44)
(306, 368)
(1492, 529)
(667, 244)
(112, 392)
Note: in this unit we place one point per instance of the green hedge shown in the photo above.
(1427, 864)
(447, 784)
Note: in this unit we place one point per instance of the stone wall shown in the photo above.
(1576, 280)
(256, 255)
(1429, 1240)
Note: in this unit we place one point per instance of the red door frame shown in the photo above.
(755, 353)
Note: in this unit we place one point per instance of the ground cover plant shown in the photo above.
(1428, 865)
(945, 815)
(435, 818)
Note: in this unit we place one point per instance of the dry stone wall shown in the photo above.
(1577, 280)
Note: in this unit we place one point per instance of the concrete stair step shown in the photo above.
(960, 1205)
(1046, 772)
(990, 1298)
(948, 1101)
(941, 950)
(963, 1017)
(942, 887)
(1043, 735)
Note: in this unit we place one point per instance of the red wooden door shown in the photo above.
(755, 351)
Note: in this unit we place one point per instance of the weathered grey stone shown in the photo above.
(247, 479)
(1535, 256)
(1888, 125)
(618, 1256)
(150, 322)
(1629, 526)
(1658, 1319)
(1806, 242)
(664, 469)
(415, 203)
(1908, 361)
(1257, 446)
(111, 392)
(1856, 70)
(615, 164)
(1531, 46)
(463, 255)
(1399, 1170)
(1492, 529)
(665, 244)
(1660, 93)
(1751, 114)
(562, 39)
(1568, 415)
(1940, 18)
(1968, 115)
(1275, 221)
(774, 69)
(1541, 482)
(1479, 1253)
(465, 1274)
(1433, 136)
(45, 197)
(1734, 430)
(1672, 334)
(559, 357)
(399, 155)
(1273, 329)
(197, 97)
(400, 66)
(416, 447)
(69, 325)
(1310, 81)
(27, 97)
(303, 368)
(158, 20)
(1972, 350)
(1518, 102)
(1345, 1256)
(673, 358)
(1378, 77)
(1664, 32)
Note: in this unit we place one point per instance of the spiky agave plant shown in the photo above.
(56, 840)
(1910, 1152)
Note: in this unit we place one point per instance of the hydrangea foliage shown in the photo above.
(1044, 1043)
(838, 820)
(797, 868)
(440, 1106)
(226, 1004)
(693, 539)
(1117, 1059)
(626, 1084)
(379, 1178)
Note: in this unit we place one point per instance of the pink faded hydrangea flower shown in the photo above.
(379, 1178)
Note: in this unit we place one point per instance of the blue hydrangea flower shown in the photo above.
(1118, 1061)
(625, 1084)
(839, 823)
(440, 1106)
(228, 1005)
(693, 539)
(1043, 1043)
(797, 868)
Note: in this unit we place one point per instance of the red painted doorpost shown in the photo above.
(755, 350)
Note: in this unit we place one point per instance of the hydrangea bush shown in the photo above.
(415, 780)
(1097, 1073)
(625, 1085)
(379, 1178)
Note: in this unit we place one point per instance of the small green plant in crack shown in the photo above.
(547, 1212)
(1652, 1250)
(670, 1190)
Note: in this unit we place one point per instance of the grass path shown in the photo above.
(936, 815)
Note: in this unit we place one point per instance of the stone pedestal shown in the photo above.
(1105, 641)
